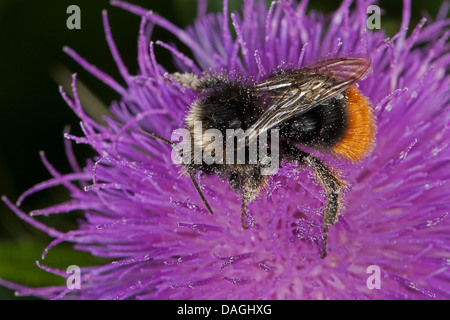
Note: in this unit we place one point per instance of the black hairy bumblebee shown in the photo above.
(317, 106)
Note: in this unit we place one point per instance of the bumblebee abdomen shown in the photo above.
(342, 126)
(359, 135)
(322, 127)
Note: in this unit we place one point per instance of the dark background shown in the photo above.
(33, 114)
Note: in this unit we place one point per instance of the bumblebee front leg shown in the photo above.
(248, 182)
(329, 181)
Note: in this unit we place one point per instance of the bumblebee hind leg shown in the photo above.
(328, 180)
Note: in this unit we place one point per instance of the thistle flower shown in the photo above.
(140, 212)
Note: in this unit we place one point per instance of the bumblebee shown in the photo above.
(317, 106)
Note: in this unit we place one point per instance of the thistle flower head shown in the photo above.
(140, 212)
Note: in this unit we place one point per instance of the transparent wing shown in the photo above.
(298, 91)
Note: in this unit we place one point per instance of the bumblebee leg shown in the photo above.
(249, 194)
(243, 210)
(249, 184)
(329, 181)
(333, 185)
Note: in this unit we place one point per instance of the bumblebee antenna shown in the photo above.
(191, 174)
(151, 134)
(200, 193)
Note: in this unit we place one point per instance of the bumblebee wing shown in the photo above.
(296, 92)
